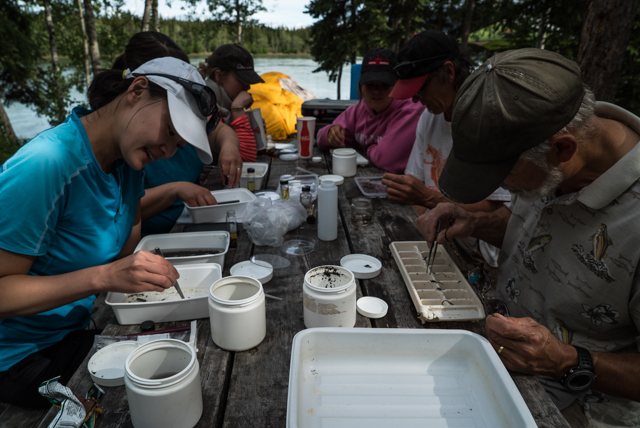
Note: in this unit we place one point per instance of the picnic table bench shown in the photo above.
(249, 389)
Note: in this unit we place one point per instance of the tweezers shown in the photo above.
(159, 252)
(433, 250)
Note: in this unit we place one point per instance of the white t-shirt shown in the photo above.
(430, 152)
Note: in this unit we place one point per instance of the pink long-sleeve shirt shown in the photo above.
(387, 137)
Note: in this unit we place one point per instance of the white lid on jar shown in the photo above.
(344, 153)
(337, 179)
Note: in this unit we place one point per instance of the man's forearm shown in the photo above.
(617, 374)
(491, 226)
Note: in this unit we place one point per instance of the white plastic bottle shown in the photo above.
(327, 211)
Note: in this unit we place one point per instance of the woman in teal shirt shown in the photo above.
(70, 204)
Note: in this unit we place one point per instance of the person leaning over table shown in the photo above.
(569, 256)
(230, 73)
(383, 127)
(169, 183)
(70, 204)
(431, 70)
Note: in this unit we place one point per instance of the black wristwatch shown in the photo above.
(581, 377)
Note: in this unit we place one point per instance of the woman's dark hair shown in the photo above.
(142, 47)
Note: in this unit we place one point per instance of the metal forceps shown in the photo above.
(176, 285)
(433, 250)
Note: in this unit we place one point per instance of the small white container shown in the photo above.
(218, 213)
(162, 380)
(261, 170)
(195, 281)
(237, 313)
(345, 162)
(217, 241)
(329, 297)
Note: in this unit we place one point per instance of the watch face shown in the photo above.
(579, 380)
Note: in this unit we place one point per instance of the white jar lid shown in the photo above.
(362, 265)
(372, 307)
(263, 271)
(106, 367)
(289, 156)
(316, 159)
(344, 152)
(338, 179)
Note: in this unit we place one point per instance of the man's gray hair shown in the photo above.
(581, 124)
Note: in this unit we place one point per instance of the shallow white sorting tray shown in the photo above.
(261, 170)
(195, 282)
(445, 294)
(218, 213)
(209, 240)
(400, 378)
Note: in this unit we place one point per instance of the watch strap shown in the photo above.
(584, 358)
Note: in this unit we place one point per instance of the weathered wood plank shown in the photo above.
(542, 408)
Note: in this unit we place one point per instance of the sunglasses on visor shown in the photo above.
(204, 96)
(405, 68)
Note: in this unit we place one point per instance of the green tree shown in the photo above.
(336, 37)
(236, 12)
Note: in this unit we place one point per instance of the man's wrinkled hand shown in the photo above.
(529, 347)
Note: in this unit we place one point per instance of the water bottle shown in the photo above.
(327, 211)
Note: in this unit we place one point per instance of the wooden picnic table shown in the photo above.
(249, 389)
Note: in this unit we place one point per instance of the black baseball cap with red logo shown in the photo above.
(236, 59)
(423, 54)
(377, 66)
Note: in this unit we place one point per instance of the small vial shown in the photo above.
(284, 189)
(251, 179)
(232, 227)
(305, 199)
(270, 142)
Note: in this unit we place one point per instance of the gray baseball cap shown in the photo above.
(516, 100)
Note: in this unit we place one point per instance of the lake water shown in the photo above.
(27, 124)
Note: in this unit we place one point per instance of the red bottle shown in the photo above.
(305, 141)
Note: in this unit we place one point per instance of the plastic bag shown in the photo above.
(267, 222)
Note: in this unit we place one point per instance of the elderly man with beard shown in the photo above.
(569, 240)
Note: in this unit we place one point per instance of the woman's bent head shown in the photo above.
(159, 106)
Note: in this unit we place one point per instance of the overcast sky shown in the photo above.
(287, 13)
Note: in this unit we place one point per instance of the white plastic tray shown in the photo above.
(400, 378)
(261, 171)
(444, 295)
(217, 241)
(218, 213)
(195, 282)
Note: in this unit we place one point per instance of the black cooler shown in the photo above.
(325, 111)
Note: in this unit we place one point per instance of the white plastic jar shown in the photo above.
(237, 313)
(329, 297)
(344, 162)
(162, 381)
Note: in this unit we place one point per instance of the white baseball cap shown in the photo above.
(186, 115)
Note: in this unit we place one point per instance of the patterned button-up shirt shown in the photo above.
(571, 262)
